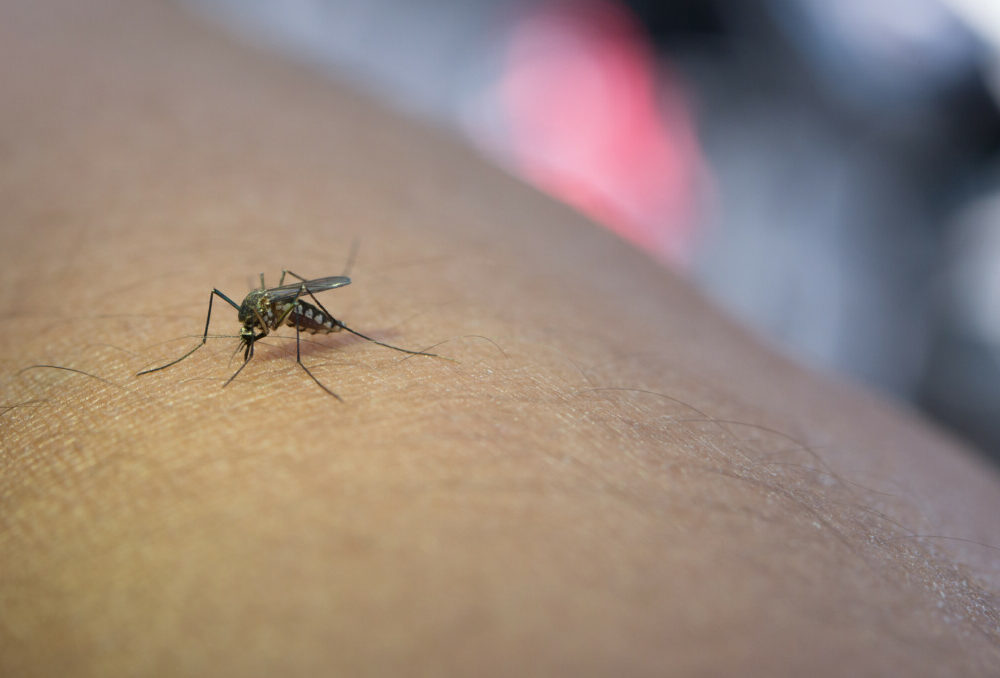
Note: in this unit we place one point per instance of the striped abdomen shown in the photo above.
(310, 319)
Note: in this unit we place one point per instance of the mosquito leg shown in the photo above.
(298, 342)
(291, 307)
(285, 272)
(351, 256)
(298, 359)
(382, 343)
(204, 337)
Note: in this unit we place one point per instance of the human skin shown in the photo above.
(611, 479)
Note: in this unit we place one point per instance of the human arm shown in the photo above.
(611, 479)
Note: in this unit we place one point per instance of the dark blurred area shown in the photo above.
(827, 171)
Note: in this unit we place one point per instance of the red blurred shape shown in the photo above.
(596, 124)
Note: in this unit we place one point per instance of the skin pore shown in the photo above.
(611, 479)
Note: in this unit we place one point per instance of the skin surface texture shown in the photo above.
(611, 479)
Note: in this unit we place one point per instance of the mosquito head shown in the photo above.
(246, 341)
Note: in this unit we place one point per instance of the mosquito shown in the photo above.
(267, 308)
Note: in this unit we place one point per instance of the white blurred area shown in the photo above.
(827, 171)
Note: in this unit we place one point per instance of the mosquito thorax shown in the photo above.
(255, 307)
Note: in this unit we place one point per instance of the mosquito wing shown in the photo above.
(289, 291)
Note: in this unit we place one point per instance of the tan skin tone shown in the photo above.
(611, 480)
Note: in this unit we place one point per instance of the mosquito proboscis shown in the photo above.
(265, 309)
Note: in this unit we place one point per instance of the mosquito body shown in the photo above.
(266, 309)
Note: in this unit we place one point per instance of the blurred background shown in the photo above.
(829, 172)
